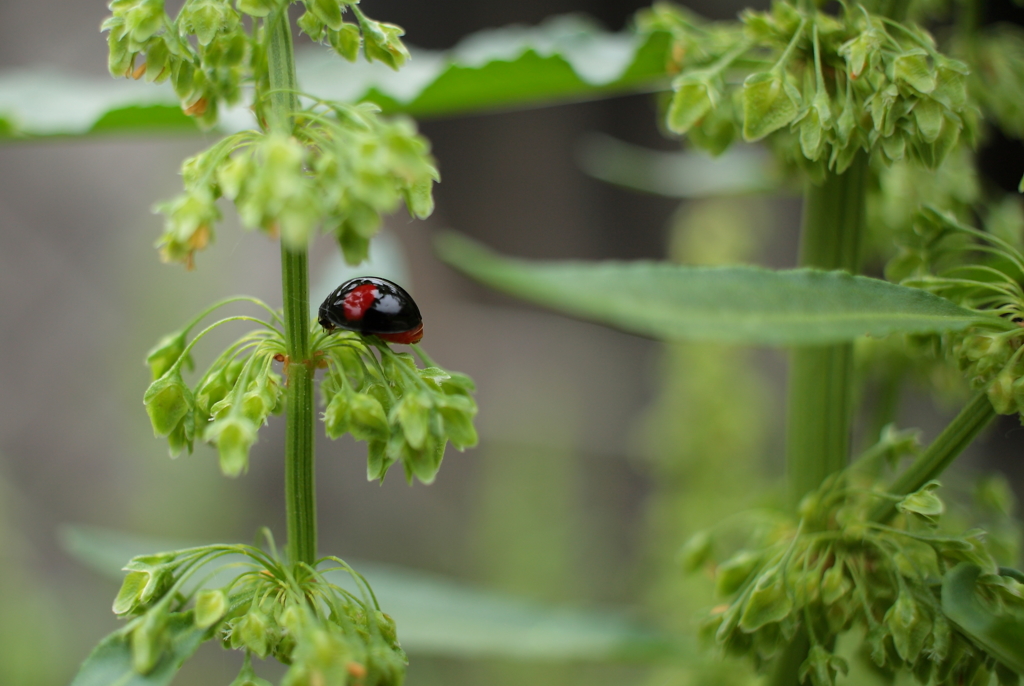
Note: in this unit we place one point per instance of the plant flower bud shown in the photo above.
(908, 628)
(167, 401)
(694, 98)
(252, 632)
(368, 420)
(732, 573)
(166, 352)
(211, 606)
(770, 602)
(233, 435)
(1001, 394)
(769, 103)
(834, 584)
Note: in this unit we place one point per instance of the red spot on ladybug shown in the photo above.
(358, 301)
(371, 305)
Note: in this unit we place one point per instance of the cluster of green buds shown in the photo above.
(819, 88)
(323, 21)
(207, 54)
(982, 271)
(836, 571)
(341, 169)
(251, 600)
(406, 413)
(231, 400)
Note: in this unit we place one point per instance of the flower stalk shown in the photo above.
(958, 434)
(300, 492)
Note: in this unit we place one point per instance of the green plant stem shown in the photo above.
(821, 377)
(957, 435)
(820, 404)
(787, 665)
(299, 478)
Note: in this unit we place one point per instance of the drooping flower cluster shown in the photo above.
(980, 270)
(406, 413)
(207, 53)
(818, 87)
(302, 615)
(343, 167)
(836, 571)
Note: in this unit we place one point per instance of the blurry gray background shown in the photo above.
(550, 506)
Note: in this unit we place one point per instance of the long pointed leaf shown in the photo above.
(732, 304)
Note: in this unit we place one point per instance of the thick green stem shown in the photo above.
(821, 377)
(787, 664)
(299, 480)
(957, 435)
(820, 403)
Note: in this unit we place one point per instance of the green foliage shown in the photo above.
(326, 634)
(438, 616)
(323, 21)
(736, 304)
(846, 98)
(834, 571)
(979, 270)
(566, 58)
(207, 54)
(363, 167)
(406, 413)
(987, 607)
(818, 87)
(113, 661)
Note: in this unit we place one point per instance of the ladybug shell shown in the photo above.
(371, 305)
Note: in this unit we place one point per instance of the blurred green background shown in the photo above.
(594, 458)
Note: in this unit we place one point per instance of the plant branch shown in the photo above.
(957, 435)
(300, 491)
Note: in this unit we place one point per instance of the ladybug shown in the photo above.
(372, 305)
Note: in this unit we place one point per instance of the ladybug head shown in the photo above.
(325, 322)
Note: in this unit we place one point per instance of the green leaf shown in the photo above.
(1001, 634)
(564, 59)
(734, 304)
(111, 661)
(683, 174)
(44, 102)
(436, 616)
(144, 118)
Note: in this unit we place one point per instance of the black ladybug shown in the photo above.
(368, 304)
